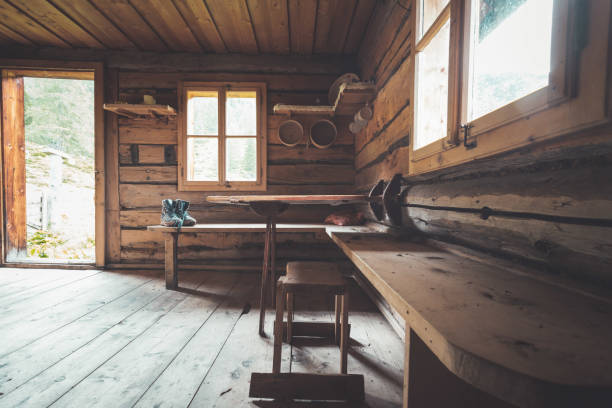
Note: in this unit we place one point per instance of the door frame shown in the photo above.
(100, 194)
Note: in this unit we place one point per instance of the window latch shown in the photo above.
(466, 134)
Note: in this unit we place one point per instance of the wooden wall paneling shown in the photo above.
(302, 18)
(392, 99)
(198, 18)
(235, 25)
(318, 174)
(271, 25)
(57, 22)
(13, 135)
(166, 20)
(147, 154)
(361, 18)
(14, 36)
(581, 251)
(92, 20)
(276, 82)
(148, 131)
(132, 24)
(336, 154)
(148, 174)
(19, 22)
(389, 23)
(113, 249)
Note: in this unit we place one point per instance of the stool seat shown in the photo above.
(313, 274)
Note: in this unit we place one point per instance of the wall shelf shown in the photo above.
(351, 98)
(133, 111)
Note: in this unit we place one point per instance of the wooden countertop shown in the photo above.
(509, 334)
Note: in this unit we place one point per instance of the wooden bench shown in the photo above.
(171, 239)
(522, 340)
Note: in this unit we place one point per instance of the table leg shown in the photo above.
(264, 281)
(171, 261)
(272, 275)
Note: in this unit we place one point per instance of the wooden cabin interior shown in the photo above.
(424, 185)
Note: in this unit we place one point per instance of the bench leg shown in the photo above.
(171, 263)
(278, 329)
(264, 283)
(344, 333)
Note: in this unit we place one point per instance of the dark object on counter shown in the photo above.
(345, 218)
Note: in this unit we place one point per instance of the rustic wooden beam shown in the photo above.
(191, 62)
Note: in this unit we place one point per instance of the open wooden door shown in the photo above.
(13, 136)
(26, 184)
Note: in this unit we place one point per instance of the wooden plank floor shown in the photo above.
(85, 338)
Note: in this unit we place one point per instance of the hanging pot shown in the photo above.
(323, 133)
(290, 132)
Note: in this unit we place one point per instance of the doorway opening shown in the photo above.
(50, 186)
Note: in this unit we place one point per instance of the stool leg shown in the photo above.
(337, 325)
(344, 334)
(278, 328)
(290, 305)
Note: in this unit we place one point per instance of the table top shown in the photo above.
(331, 199)
(240, 228)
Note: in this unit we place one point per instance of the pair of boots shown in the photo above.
(174, 214)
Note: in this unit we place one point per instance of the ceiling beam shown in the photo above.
(185, 62)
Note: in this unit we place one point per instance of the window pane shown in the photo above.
(203, 159)
(203, 113)
(430, 10)
(432, 89)
(241, 113)
(241, 162)
(511, 52)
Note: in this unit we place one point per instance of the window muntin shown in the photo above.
(430, 10)
(510, 52)
(222, 144)
(432, 73)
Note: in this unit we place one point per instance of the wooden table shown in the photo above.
(270, 207)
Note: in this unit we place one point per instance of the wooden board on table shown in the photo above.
(498, 330)
(291, 199)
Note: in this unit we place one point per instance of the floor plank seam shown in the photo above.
(77, 318)
(216, 357)
(48, 306)
(48, 290)
(118, 351)
(84, 345)
(221, 301)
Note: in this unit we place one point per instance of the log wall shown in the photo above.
(549, 204)
(146, 166)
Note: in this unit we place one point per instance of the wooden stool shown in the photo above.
(311, 276)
